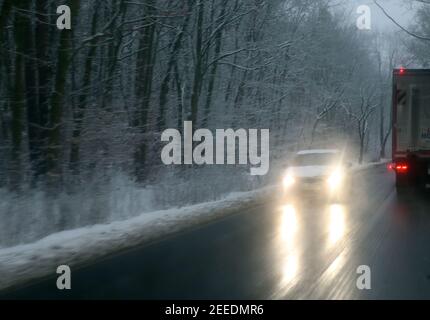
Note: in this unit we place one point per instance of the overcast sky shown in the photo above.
(401, 10)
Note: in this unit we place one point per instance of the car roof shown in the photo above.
(318, 151)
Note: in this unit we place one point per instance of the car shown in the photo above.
(322, 173)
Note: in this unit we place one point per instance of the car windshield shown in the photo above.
(314, 159)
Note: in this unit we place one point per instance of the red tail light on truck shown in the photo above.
(402, 168)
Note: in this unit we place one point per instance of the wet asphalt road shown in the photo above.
(302, 250)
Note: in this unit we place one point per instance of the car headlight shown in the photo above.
(335, 179)
(288, 180)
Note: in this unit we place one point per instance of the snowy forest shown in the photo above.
(82, 110)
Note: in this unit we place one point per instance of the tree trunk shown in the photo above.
(57, 100)
(79, 112)
(18, 102)
(145, 62)
(164, 89)
(113, 50)
(214, 67)
(198, 75)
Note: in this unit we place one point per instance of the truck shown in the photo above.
(411, 127)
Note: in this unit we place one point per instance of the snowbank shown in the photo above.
(370, 165)
(23, 263)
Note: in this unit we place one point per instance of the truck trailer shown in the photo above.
(411, 127)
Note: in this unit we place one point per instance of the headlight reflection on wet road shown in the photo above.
(331, 220)
(336, 224)
(289, 223)
(289, 227)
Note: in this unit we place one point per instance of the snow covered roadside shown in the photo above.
(20, 264)
(370, 165)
